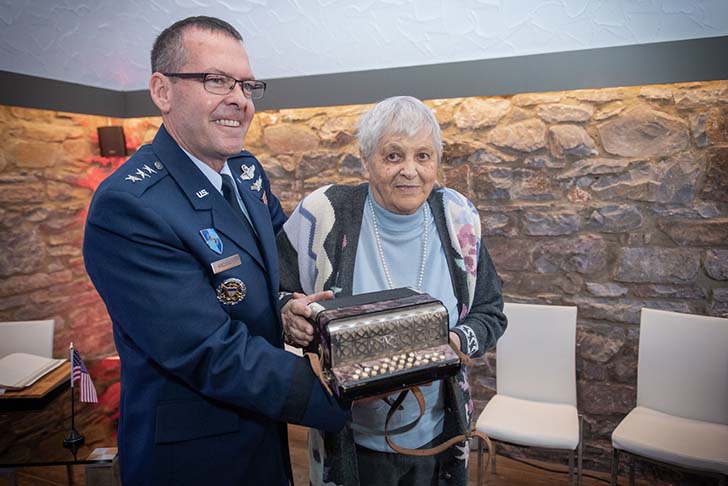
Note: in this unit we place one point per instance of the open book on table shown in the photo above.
(20, 370)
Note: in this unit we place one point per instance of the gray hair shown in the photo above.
(168, 53)
(399, 115)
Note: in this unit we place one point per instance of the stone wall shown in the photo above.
(608, 199)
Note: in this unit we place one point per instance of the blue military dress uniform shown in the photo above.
(206, 387)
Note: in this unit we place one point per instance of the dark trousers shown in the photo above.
(392, 469)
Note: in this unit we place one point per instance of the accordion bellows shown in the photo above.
(382, 342)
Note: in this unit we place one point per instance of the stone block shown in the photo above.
(497, 224)
(711, 93)
(476, 113)
(33, 154)
(551, 224)
(668, 291)
(617, 218)
(596, 166)
(23, 251)
(352, 165)
(561, 112)
(716, 176)
(641, 131)
(606, 289)
(715, 263)
(458, 178)
(510, 254)
(282, 139)
(530, 99)
(656, 265)
(525, 136)
(712, 232)
(672, 181)
(606, 398)
(571, 140)
(314, 163)
(603, 95)
(623, 369)
(599, 343)
(583, 254)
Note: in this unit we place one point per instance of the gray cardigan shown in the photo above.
(326, 226)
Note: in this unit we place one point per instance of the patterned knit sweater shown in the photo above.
(317, 249)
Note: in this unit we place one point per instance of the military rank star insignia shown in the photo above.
(231, 291)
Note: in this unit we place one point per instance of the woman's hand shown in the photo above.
(297, 331)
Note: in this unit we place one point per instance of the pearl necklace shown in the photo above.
(377, 239)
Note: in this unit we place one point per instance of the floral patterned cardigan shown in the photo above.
(317, 250)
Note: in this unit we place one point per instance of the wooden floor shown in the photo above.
(509, 472)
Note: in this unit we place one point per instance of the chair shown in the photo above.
(681, 417)
(32, 337)
(535, 404)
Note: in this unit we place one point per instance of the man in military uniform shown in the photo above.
(180, 244)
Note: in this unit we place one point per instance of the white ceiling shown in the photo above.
(106, 43)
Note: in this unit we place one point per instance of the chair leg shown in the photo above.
(492, 458)
(631, 471)
(480, 461)
(580, 450)
(571, 468)
(615, 466)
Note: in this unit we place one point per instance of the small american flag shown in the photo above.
(80, 373)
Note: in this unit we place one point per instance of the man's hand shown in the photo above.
(296, 329)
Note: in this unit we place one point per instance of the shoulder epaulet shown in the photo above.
(140, 172)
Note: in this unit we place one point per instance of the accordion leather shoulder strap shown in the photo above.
(432, 450)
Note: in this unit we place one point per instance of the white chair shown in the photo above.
(535, 404)
(32, 337)
(681, 417)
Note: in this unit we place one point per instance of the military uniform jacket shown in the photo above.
(205, 386)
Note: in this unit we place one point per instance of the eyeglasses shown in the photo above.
(221, 84)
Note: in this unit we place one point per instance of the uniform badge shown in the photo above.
(248, 172)
(258, 184)
(212, 239)
(231, 291)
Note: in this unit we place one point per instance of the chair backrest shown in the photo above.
(683, 365)
(32, 337)
(536, 355)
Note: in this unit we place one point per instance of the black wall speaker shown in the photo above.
(112, 142)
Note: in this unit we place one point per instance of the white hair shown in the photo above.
(398, 115)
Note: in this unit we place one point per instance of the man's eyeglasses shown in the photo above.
(221, 84)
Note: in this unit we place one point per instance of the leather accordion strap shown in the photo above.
(432, 450)
(464, 358)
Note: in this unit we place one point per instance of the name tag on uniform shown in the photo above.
(225, 264)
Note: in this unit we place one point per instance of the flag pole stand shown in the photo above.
(74, 440)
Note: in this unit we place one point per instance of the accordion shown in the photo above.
(382, 342)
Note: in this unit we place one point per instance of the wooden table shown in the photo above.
(35, 420)
(42, 387)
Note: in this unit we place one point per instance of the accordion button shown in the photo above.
(425, 361)
(374, 372)
(367, 369)
(355, 376)
(365, 375)
(375, 367)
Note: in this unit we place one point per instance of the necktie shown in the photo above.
(229, 194)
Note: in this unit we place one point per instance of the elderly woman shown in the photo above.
(399, 230)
